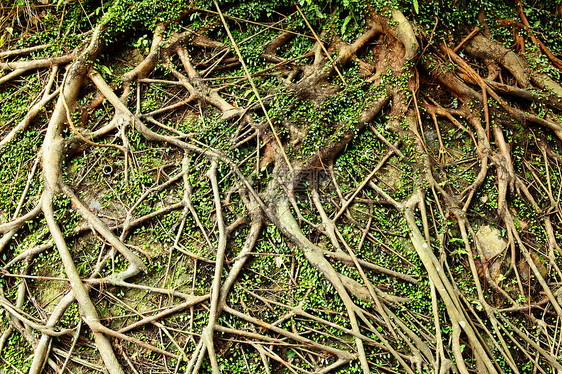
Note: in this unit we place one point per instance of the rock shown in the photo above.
(491, 241)
(525, 270)
(431, 139)
(492, 244)
(95, 206)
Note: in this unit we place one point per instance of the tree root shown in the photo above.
(255, 166)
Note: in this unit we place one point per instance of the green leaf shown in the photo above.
(106, 70)
(319, 13)
(416, 7)
(345, 22)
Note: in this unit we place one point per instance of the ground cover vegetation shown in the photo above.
(280, 186)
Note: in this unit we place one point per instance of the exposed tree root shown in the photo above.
(259, 198)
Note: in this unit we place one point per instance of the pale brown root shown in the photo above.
(52, 154)
(41, 352)
(284, 220)
(23, 51)
(88, 309)
(19, 68)
(208, 332)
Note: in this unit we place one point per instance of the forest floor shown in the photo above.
(271, 187)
